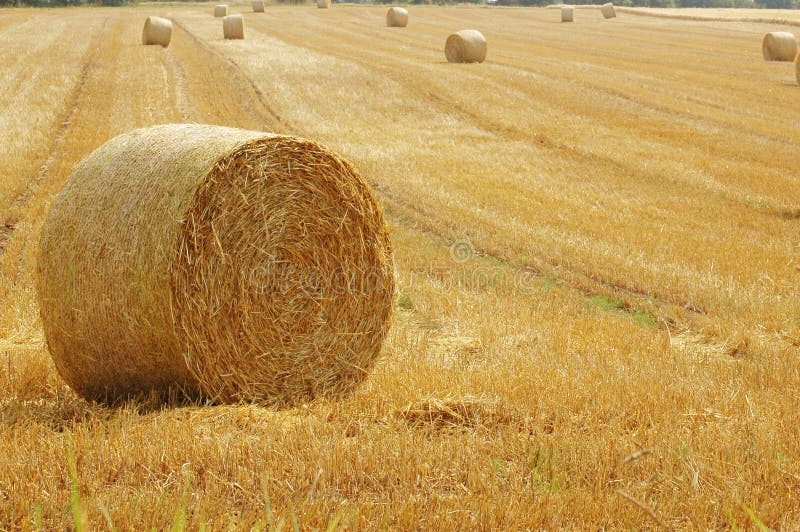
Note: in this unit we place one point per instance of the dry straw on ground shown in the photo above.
(456, 413)
(397, 17)
(157, 30)
(324, 4)
(231, 265)
(567, 14)
(233, 27)
(465, 46)
(608, 10)
(258, 6)
(220, 11)
(779, 46)
(797, 75)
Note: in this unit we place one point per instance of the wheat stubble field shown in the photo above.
(597, 242)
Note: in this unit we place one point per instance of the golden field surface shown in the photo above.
(597, 242)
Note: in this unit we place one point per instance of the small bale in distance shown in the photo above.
(226, 265)
(233, 27)
(397, 17)
(567, 14)
(466, 46)
(324, 4)
(258, 6)
(157, 30)
(220, 11)
(779, 46)
(608, 10)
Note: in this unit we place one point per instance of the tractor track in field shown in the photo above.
(187, 111)
(634, 300)
(26, 196)
(255, 101)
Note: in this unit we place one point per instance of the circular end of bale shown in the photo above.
(397, 17)
(779, 46)
(233, 27)
(232, 265)
(466, 46)
(157, 30)
(608, 10)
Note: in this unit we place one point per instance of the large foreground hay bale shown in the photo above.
(397, 17)
(157, 30)
(233, 27)
(465, 46)
(567, 14)
(258, 6)
(779, 46)
(232, 265)
(220, 11)
(608, 10)
(324, 4)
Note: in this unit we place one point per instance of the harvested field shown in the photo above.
(598, 269)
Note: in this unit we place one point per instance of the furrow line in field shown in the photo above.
(256, 101)
(60, 134)
(587, 285)
(183, 101)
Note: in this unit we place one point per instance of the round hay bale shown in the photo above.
(779, 46)
(465, 46)
(324, 4)
(608, 10)
(397, 17)
(233, 27)
(567, 14)
(157, 30)
(220, 11)
(224, 264)
(258, 6)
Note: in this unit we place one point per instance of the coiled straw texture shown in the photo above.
(216, 263)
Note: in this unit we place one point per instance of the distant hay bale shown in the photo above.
(157, 30)
(258, 6)
(324, 4)
(465, 46)
(397, 17)
(230, 265)
(608, 10)
(779, 46)
(567, 14)
(220, 11)
(233, 27)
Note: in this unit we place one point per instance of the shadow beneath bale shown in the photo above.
(60, 412)
(57, 414)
